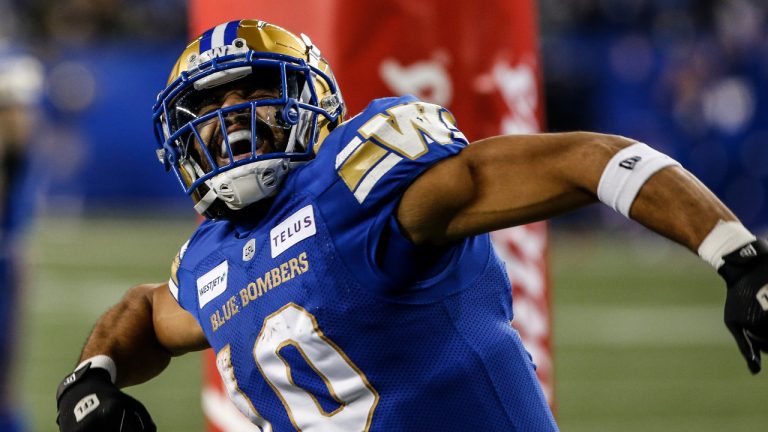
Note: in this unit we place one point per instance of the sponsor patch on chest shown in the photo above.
(212, 284)
(295, 228)
(249, 250)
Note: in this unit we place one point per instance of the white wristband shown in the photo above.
(724, 238)
(101, 361)
(627, 172)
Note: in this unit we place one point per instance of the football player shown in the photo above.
(344, 275)
(20, 86)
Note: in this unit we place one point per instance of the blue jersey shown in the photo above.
(324, 317)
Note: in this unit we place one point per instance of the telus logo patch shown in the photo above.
(295, 228)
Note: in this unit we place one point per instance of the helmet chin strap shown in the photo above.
(246, 184)
(193, 171)
(206, 200)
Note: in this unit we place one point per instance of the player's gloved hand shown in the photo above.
(746, 304)
(87, 400)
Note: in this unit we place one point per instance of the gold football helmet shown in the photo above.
(245, 102)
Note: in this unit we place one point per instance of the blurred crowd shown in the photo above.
(46, 22)
(103, 62)
(689, 76)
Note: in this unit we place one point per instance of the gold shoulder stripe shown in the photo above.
(360, 162)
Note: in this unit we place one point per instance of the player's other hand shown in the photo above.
(88, 401)
(746, 304)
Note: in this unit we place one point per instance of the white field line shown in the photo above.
(694, 325)
(90, 296)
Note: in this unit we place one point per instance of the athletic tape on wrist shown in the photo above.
(101, 361)
(627, 172)
(724, 238)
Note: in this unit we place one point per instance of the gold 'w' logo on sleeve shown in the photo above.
(404, 131)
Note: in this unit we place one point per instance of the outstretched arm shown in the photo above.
(511, 180)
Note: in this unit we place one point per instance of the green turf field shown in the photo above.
(639, 342)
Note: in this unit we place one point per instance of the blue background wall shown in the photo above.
(688, 77)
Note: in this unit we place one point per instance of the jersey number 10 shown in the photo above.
(293, 325)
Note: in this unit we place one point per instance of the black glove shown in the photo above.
(88, 401)
(746, 303)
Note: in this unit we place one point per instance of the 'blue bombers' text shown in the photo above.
(286, 271)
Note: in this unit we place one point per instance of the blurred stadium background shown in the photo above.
(639, 343)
